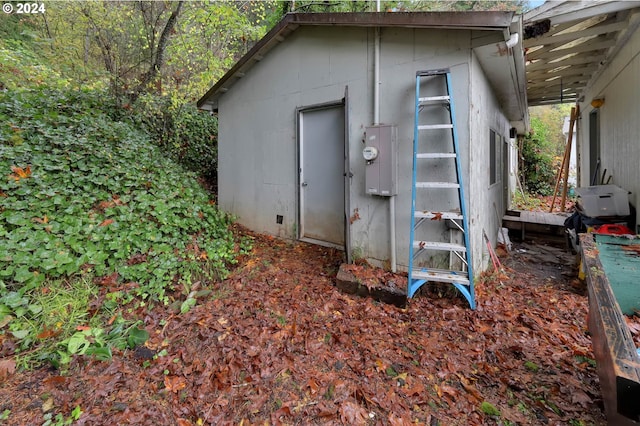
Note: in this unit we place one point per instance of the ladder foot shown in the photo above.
(466, 290)
(413, 287)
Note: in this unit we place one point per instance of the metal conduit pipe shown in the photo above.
(376, 120)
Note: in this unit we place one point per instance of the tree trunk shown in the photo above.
(158, 57)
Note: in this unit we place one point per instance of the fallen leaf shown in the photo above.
(446, 390)
(380, 365)
(353, 414)
(106, 222)
(174, 383)
(355, 216)
(580, 397)
(137, 259)
(44, 220)
(109, 280)
(313, 385)
(416, 388)
(47, 405)
(395, 420)
(47, 333)
(7, 368)
(20, 173)
(469, 387)
(54, 381)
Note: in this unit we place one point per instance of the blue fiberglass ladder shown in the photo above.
(434, 209)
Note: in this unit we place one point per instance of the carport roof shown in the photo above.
(506, 62)
(568, 43)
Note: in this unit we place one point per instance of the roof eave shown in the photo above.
(497, 21)
(503, 63)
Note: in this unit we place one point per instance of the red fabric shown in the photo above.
(613, 229)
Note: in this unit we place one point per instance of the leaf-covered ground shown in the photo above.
(279, 344)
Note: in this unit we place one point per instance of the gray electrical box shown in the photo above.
(380, 153)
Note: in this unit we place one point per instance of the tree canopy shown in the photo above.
(173, 48)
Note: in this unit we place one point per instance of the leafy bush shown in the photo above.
(84, 197)
(81, 189)
(539, 170)
(187, 134)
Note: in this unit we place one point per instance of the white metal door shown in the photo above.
(322, 174)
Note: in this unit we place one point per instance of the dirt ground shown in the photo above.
(281, 345)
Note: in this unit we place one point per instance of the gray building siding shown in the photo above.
(487, 198)
(619, 85)
(258, 176)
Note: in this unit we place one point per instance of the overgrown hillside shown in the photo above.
(99, 218)
(86, 199)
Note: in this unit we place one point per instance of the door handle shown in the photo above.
(304, 184)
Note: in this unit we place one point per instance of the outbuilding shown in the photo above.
(294, 113)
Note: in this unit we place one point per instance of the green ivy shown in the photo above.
(100, 197)
(185, 133)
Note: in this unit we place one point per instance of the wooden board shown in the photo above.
(540, 218)
(621, 263)
(617, 361)
(542, 223)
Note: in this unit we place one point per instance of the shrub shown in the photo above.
(538, 172)
(80, 190)
(185, 133)
(87, 199)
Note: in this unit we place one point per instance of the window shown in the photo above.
(493, 172)
(495, 165)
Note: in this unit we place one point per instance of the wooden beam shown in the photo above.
(550, 92)
(571, 71)
(571, 36)
(583, 47)
(551, 101)
(556, 85)
(556, 94)
(578, 59)
(612, 342)
(576, 10)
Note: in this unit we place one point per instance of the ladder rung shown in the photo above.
(437, 185)
(441, 275)
(435, 126)
(432, 72)
(437, 155)
(438, 215)
(435, 99)
(436, 245)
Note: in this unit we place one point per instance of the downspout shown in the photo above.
(513, 40)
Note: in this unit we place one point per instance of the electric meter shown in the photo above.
(370, 153)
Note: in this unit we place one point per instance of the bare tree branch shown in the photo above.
(158, 57)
